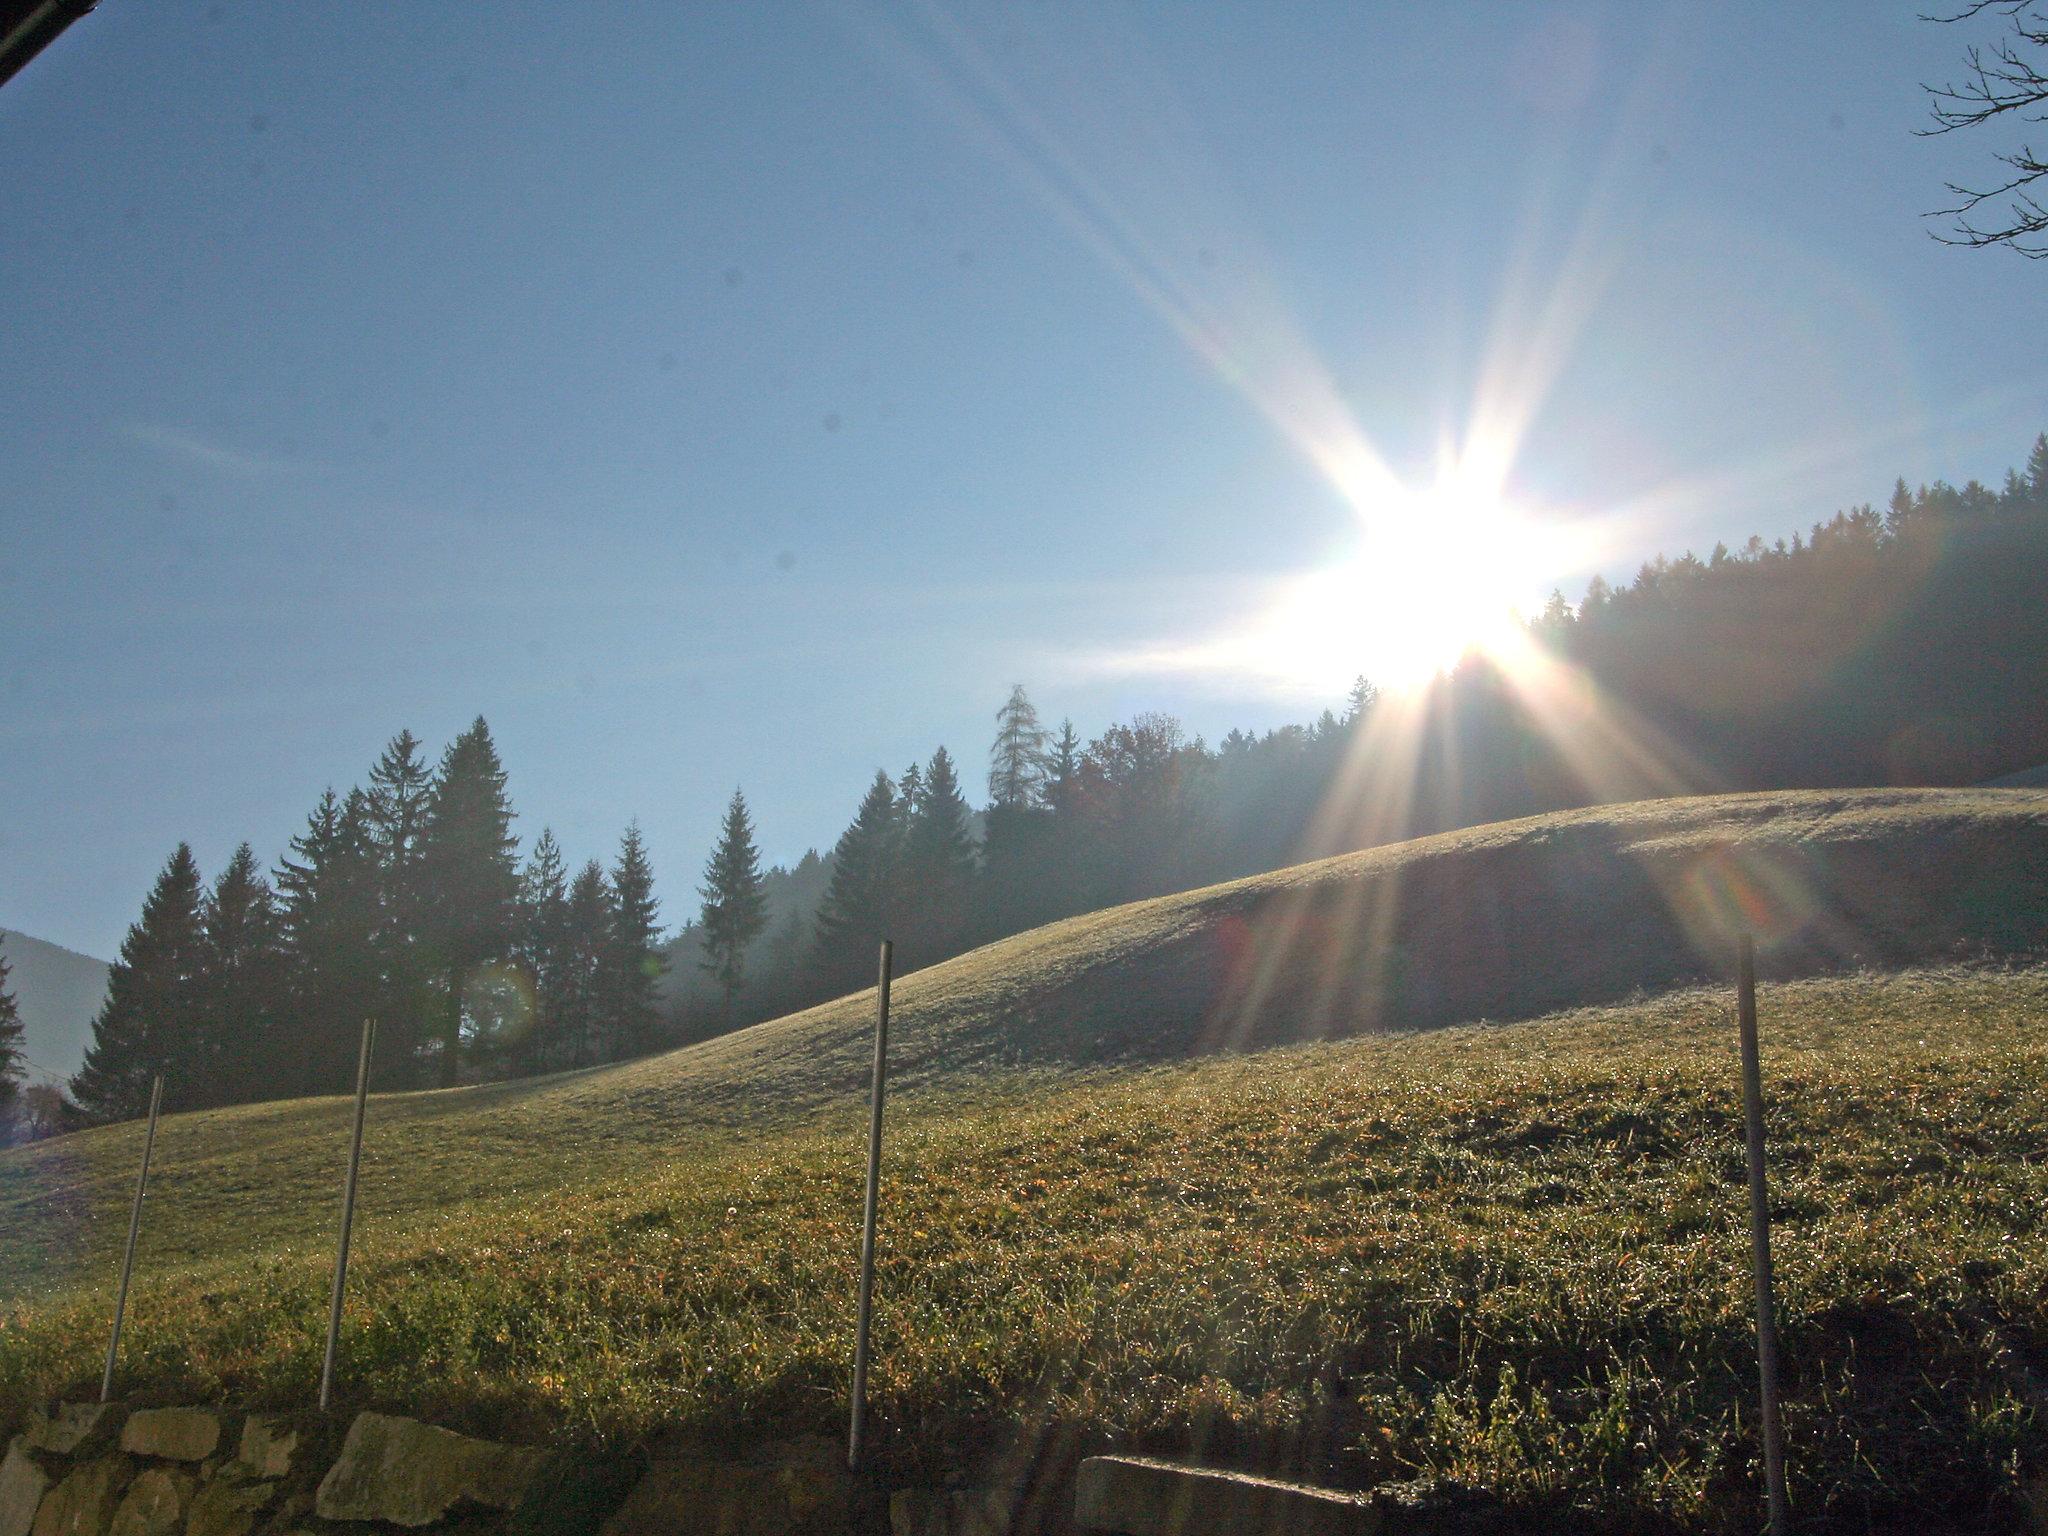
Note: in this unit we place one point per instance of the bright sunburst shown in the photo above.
(1435, 575)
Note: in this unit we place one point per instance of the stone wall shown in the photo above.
(101, 1470)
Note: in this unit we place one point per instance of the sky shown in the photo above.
(717, 396)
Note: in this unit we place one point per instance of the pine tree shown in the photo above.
(735, 910)
(1062, 766)
(150, 1021)
(543, 932)
(937, 878)
(468, 873)
(241, 979)
(586, 944)
(329, 914)
(856, 913)
(1016, 762)
(634, 961)
(401, 789)
(13, 1063)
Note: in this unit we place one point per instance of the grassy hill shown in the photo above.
(1511, 1255)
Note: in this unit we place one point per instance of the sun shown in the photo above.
(1436, 574)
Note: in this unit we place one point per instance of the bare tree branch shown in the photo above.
(2005, 80)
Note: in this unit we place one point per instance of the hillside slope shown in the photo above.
(59, 991)
(1495, 922)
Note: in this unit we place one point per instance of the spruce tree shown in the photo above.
(401, 787)
(543, 931)
(150, 1021)
(328, 911)
(856, 913)
(1016, 761)
(937, 877)
(13, 1063)
(586, 946)
(735, 909)
(469, 876)
(634, 960)
(241, 979)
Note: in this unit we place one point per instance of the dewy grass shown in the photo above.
(1509, 1256)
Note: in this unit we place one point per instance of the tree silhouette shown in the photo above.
(241, 982)
(329, 914)
(633, 959)
(858, 908)
(12, 1061)
(149, 1022)
(1016, 761)
(468, 874)
(735, 908)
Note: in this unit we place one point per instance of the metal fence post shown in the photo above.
(156, 1101)
(858, 1430)
(1760, 1240)
(348, 1212)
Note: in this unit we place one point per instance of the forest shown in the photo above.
(1907, 645)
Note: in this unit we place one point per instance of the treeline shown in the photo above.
(403, 901)
(1902, 646)
(1908, 646)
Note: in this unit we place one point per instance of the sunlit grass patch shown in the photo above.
(1513, 1256)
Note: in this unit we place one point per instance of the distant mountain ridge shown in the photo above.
(59, 991)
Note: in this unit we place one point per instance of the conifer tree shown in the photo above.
(543, 932)
(328, 911)
(150, 1021)
(401, 787)
(634, 960)
(13, 1063)
(241, 975)
(856, 913)
(937, 876)
(1062, 766)
(1016, 761)
(469, 876)
(735, 910)
(586, 946)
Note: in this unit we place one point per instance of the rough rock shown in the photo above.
(155, 1504)
(268, 1445)
(176, 1434)
(74, 1427)
(409, 1473)
(950, 1512)
(22, 1486)
(1136, 1496)
(790, 1488)
(229, 1504)
(84, 1502)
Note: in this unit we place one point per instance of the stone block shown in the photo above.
(175, 1434)
(1137, 1496)
(155, 1503)
(22, 1486)
(408, 1473)
(268, 1445)
(230, 1503)
(84, 1503)
(787, 1488)
(75, 1428)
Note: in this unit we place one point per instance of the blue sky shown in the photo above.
(718, 395)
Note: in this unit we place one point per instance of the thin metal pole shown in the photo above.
(867, 1234)
(156, 1102)
(1760, 1241)
(348, 1212)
